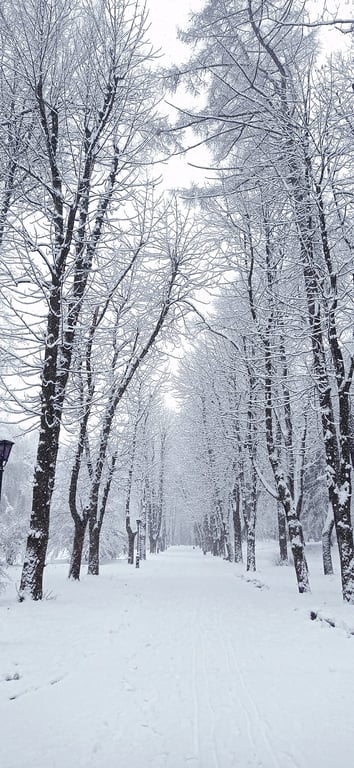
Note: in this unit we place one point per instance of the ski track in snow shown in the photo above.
(179, 664)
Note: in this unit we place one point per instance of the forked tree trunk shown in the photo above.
(97, 513)
(80, 521)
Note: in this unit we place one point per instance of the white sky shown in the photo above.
(165, 18)
(167, 15)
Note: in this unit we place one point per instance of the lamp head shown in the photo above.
(5, 450)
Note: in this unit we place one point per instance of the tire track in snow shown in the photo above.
(201, 696)
(206, 686)
(239, 703)
(196, 721)
(255, 720)
(257, 723)
(243, 706)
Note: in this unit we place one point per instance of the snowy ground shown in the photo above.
(181, 663)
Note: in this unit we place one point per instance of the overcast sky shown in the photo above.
(165, 17)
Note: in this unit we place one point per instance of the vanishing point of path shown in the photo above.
(182, 663)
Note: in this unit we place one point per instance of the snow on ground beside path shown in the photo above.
(183, 662)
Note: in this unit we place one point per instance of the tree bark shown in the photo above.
(78, 544)
(283, 544)
(249, 506)
(80, 523)
(326, 543)
(236, 517)
(33, 567)
(131, 539)
(251, 547)
(97, 513)
(94, 551)
(284, 485)
(153, 545)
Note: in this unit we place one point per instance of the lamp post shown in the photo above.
(5, 450)
(137, 559)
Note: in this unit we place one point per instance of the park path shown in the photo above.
(182, 663)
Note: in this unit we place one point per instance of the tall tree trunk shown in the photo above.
(143, 540)
(144, 519)
(251, 547)
(207, 537)
(283, 544)
(153, 545)
(93, 568)
(37, 541)
(326, 543)
(250, 516)
(131, 539)
(236, 516)
(285, 497)
(78, 544)
(80, 522)
(130, 532)
(217, 522)
(96, 515)
(163, 537)
(284, 482)
(131, 542)
(228, 553)
(249, 509)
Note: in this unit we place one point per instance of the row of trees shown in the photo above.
(143, 439)
(95, 266)
(99, 276)
(280, 208)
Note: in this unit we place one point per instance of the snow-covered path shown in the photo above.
(182, 663)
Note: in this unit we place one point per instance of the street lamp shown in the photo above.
(137, 559)
(5, 450)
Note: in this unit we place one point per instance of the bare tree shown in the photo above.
(268, 129)
(83, 70)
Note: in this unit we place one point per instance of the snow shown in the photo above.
(187, 661)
